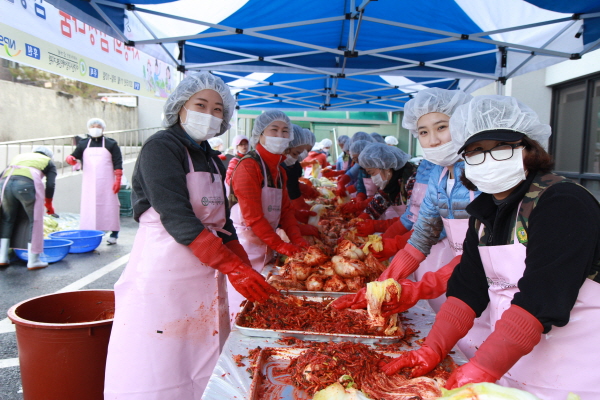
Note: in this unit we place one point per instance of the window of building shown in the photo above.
(575, 141)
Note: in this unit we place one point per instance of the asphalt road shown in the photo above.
(99, 269)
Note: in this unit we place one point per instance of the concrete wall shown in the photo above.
(67, 196)
(29, 112)
(150, 112)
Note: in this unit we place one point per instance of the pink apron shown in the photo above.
(37, 225)
(416, 198)
(99, 204)
(258, 252)
(566, 359)
(171, 317)
(370, 187)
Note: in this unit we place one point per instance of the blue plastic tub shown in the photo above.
(83, 241)
(54, 250)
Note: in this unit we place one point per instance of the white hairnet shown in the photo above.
(432, 100)
(326, 143)
(342, 139)
(377, 137)
(301, 137)
(44, 150)
(391, 140)
(191, 85)
(94, 121)
(382, 156)
(237, 139)
(215, 142)
(265, 119)
(317, 146)
(311, 136)
(493, 112)
(357, 147)
(358, 136)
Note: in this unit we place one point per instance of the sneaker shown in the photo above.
(111, 240)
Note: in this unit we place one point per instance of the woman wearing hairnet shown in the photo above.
(343, 161)
(438, 202)
(23, 189)
(217, 144)
(377, 137)
(346, 182)
(296, 151)
(318, 154)
(259, 198)
(530, 257)
(364, 187)
(102, 171)
(171, 318)
(391, 141)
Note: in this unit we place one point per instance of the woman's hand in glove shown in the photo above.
(308, 192)
(250, 283)
(303, 215)
(370, 226)
(288, 249)
(71, 160)
(354, 301)
(420, 362)
(309, 230)
(354, 206)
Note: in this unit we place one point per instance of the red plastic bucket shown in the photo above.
(63, 341)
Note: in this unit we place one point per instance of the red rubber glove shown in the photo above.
(370, 226)
(49, 207)
(391, 246)
(222, 157)
(308, 192)
(397, 229)
(405, 262)
(341, 185)
(303, 215)
(360, 196)
(309, 230)
(117, 184)
(354, 206)
(452, 323)
(236, 248)
(351, 189)
(364, 216)
(288, 249)
(300, 204)
(330, 173)
(431, 286)
(209, 249)
(355, 300)
(515, 335)
(71, 160)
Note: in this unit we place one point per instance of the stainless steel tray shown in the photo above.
(306, 335)
(271, 269)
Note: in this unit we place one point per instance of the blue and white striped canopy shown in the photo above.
(349, 54)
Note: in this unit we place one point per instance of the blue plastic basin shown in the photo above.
(83, 240)
(54, 250)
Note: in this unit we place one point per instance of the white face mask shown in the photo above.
(276, 145)
(378, 181)
(95, 132)
(289, 160)
(302, 155)
(493, 176)
(444, 155)
(201, 126)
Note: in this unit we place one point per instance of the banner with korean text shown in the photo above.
(35, 33)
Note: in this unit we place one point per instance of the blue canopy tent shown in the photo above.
(352, 55)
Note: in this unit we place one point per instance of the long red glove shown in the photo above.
(303, 215)
(351, 189)
(71, 160)
(300, 204)
(452, 323)
(330, 173)
(117, 184)
(288, 249)
(431, 286)
(396, 229)
(341, 185)
(309, 230)
(49, 207)
(405, 262)
(308, 192)
(360, 196)
(209, 249)
(236, 247)
(515, 335)
(391, 246)
(371, 226)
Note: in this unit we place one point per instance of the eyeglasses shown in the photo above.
(501, 152)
